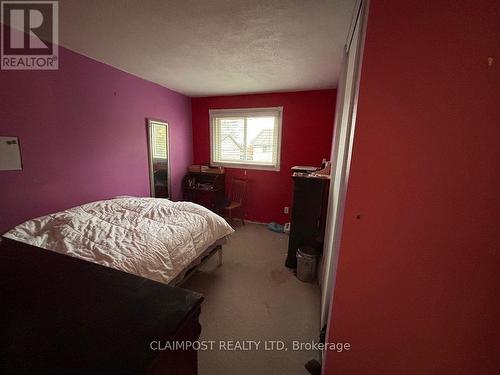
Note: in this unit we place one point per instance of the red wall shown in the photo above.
(418, 282)
(307, 128)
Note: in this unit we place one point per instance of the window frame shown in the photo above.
(246, 112)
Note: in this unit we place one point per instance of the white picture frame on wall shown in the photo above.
(10, 154)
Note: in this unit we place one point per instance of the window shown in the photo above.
(246, 138)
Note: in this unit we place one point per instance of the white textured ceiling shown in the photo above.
(213, 47)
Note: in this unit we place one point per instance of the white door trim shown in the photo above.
(342, 145)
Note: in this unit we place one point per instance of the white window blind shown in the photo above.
(248, 138)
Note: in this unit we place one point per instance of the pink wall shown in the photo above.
(82, 131)
(307, 128)
(418, 281)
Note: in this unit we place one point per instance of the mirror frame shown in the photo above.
(149, 124)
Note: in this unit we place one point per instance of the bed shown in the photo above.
(153, 238)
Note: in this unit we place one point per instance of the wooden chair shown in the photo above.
(236, 199)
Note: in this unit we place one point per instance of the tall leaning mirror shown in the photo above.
(159, 158)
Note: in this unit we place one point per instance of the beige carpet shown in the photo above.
(253, 296)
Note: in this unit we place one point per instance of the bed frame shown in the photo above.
(215, 248)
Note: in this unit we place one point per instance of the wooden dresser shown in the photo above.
(63, 315)
(207, 189)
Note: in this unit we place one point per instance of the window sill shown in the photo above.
(269, 168)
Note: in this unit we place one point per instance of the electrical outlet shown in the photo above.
(285, 210)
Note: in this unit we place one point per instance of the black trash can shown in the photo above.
(307, 263)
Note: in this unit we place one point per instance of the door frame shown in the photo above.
(336, 202)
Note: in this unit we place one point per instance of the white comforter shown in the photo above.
(152, 238)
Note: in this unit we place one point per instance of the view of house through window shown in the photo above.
(246, 138)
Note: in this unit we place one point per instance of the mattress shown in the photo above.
(148, 237)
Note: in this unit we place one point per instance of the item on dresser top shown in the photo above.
(303, 169)
(194, 168)
(208, 169)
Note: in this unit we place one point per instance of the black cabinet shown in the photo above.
(310, 197)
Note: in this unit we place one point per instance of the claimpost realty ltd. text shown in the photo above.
(248, 345)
